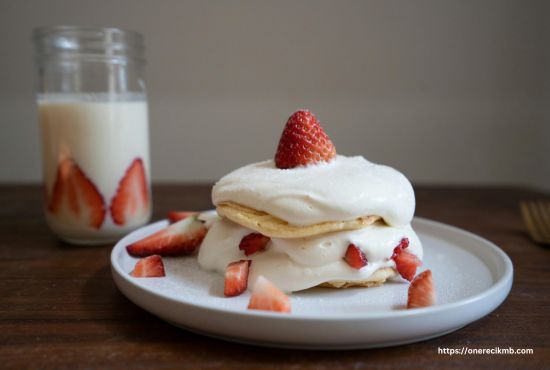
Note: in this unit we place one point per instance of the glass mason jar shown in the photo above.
(93, 117)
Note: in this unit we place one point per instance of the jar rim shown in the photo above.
(42, 31)
(67, 40)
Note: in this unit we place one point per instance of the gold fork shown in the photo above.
(536, 215)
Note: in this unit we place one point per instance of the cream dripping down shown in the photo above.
(301, 263)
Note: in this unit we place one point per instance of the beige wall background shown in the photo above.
(446, 91)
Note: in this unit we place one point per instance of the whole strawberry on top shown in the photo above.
(303, 142)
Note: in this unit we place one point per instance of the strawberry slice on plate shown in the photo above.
(355, 257)
(175, 216)
(236, 278)
(151, 266)
(266, 296)
(406, 264)
(75, 195)
(421, 291)
(303, 142)
(132, 195)
(253, 242)
(180, 238)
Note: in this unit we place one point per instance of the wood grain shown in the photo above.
(59, 308)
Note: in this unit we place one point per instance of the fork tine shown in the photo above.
(538, 221)
(529, 222)
(544, 213)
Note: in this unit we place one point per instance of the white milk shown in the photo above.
(103, 136)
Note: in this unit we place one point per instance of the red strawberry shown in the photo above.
(175, 216)
(253, 243)
(404, 243)
(182, 237)
(421, 291)
(236, 278)
(267, 297)
(303, 142)
(355, 257)
(406, 264)
(151, 266)
(132, 195)
(75, 192)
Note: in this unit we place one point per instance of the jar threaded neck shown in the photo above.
(88, 43)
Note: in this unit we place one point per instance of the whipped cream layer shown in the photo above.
(342, 189)
(301, 263)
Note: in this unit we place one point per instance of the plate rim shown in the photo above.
(505, 279)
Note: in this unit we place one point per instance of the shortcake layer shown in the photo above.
(378, 278)
(274, 227)
(344, 189)
(301, 263)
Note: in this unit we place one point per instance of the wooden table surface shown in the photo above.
(59, 307)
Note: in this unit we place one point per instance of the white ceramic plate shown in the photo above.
(472, 276)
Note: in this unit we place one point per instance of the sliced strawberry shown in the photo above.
(355, 257)
(132, 195)
(253, 243)
(182, 237)
(151, 266)
(421, 291)
(236, 278)
(303, 142)
(406, 264)
(75, 193)
(403, 243)
(266, 296)
(60, 185)
(90, 196)
(175, 216)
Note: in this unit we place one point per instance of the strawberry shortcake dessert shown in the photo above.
(309, 217)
